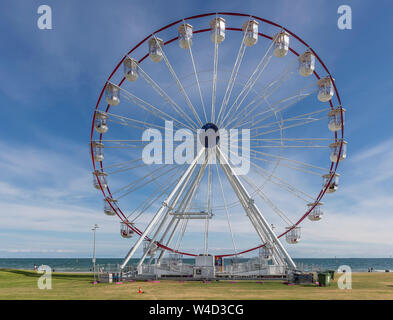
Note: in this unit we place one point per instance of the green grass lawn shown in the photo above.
(20, 284)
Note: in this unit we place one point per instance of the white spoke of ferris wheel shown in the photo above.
(191, 124)
(304, 167)
(287, 166)
(163, 208)
(279, 140)
(146, 124)
(147, 203)
(125, 123)
(125, 146)
(284, 185)
(126, 142)
(197, 81)
(120, 164)
(122, 140)
(266, 92)
(273, 86)
(268, 201)
(126, 169)
(232, 79)
(305, 116)
(270, 176)
(179, 85)
(226, 210)
(165, 190)
(270, 110)
(140, 179)
(149, 107)
(284, 159)
(153, 179)
(288, 146)
(293, 99)
(250, 83)
(214, 89)
(290, 126)
(281, 158)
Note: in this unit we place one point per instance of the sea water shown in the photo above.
(86, 265)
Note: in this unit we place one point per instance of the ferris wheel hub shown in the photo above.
(209, 135)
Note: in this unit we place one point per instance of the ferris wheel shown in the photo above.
(217, 134)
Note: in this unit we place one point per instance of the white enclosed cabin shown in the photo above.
(336, 148)
(250, 29)
(99, 178)
(98, 151)
(281, 44)
(306, 63)
(325, 89)
(185, 35)
(131, 69)
(100, 122)
(316, 213)
(153, 249)
(155, 49)
(217, 26)
(333, 185)
(125, 230)
(293, 235)
(112, 94)
(109, 206)
(336, 119)
(266, 252)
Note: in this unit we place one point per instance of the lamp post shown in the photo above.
(94, 251)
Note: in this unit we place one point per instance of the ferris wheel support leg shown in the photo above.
(183, 206)
(169, 226)
(163, 251)
(161, 210)
(163, 221)
(245, 203)
(252, 209)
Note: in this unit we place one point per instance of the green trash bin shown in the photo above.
(331, 272)
(324, 279)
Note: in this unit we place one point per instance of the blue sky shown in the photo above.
(51, 80)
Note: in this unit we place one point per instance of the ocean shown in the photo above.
(85, 264)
